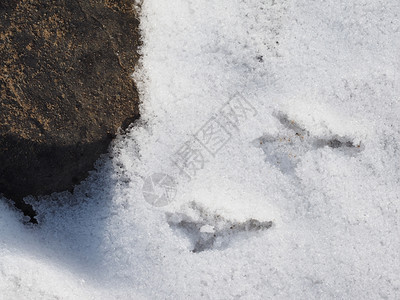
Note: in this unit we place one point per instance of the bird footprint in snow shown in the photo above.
(285, 150)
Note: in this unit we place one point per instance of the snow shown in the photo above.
(302, 200)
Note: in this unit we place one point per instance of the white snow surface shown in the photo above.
(303, 199)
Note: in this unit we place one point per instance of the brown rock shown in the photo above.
(65, 89)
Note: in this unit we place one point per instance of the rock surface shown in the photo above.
(65, 89)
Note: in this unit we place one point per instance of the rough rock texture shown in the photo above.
(65, 89)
